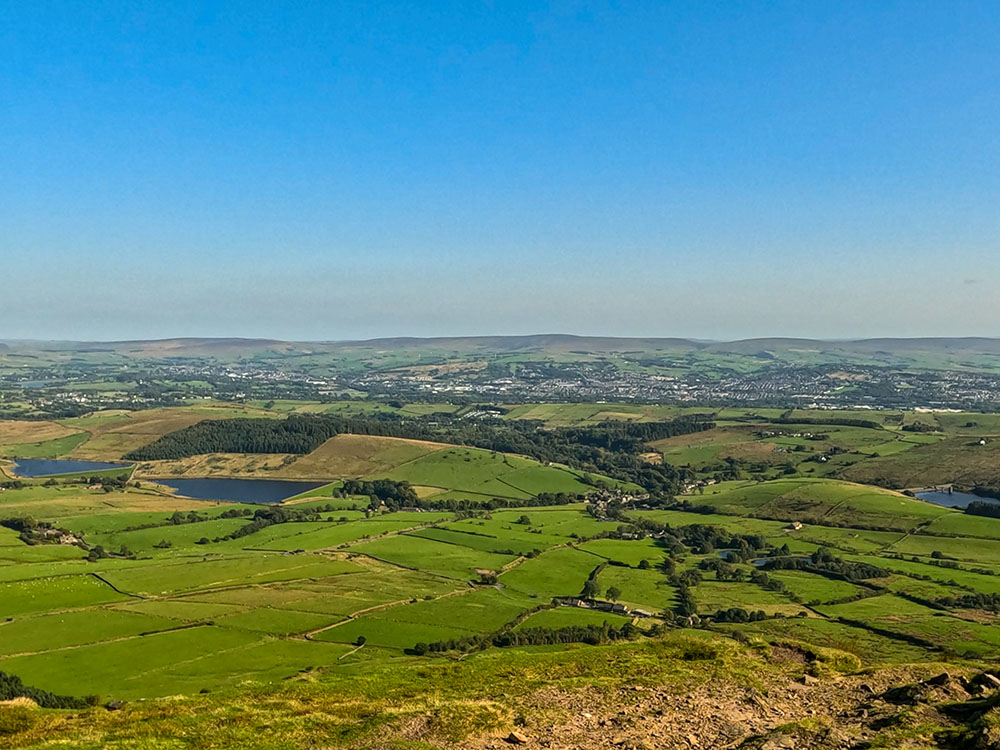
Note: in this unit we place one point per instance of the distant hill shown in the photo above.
(928, 352)
(535, 342)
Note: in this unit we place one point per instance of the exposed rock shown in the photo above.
(935, 689)
(516, 738)
(986, 680)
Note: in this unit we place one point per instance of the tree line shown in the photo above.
(12, 687)
(824, 561)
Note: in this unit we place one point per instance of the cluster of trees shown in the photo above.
(631, 437)
(703, 539)
(33, 532)
(724, 571)
(108, 483)
(611, 448)
(393, 494)
(269, 516)
(591, 589)
(738, 614)
(298, 434)
(762, 579)
(12, 687)
(686, 604)
(988, 602)
(99, 553)
(824, 561)
(179, 518)
(982, 507)
(590, 634)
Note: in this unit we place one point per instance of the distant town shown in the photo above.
(68, 387)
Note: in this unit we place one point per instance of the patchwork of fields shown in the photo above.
(184, 598)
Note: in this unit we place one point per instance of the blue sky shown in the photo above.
(332, 170)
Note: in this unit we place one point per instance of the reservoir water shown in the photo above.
(954, 499)
(44, 467)
(261, 491)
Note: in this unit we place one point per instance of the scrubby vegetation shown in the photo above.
(12, 687)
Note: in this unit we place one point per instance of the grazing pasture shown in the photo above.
(56, 593)
(824, 502)
(449, 560)
(171, 606)
(489, 474)
(190, 575)
(50, 632)
(712, 596)
(557, 572)
(649, 590)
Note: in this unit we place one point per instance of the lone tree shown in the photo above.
(613, 593)
(524, 521)
(361, 641)
(590, 589)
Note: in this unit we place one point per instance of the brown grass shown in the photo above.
(118, 437)
(752, 451)
(219, 465)
(17, 431)
(720, 435)
(347, 456)
(959, 459)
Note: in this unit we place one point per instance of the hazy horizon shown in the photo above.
(327, 171)
(690, 339)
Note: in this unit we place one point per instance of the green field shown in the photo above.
(177, 609)
(558, 572)
(824, 502)
(485, 473)
(443, 559)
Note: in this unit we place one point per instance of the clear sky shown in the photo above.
(328, 170)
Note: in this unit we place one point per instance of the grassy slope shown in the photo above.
(957, 459)
(707, 688)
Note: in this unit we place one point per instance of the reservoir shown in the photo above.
(954, 499)
(44, 467)
(261, 491)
